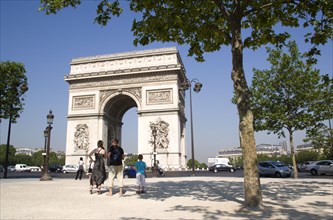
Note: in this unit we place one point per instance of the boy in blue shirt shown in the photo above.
(140, 167)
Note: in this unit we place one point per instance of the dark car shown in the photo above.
(129, 172)
(55, 168)
(221, 167)
(274, 168)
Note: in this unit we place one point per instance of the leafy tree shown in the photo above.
(238, 161)
(290, 96)
(196, 163)
(307, 155)
(54, 159)
(13, 85)
(206, 26)
(322, 138)
(23, 158)
(37, 158)
(203, 166)
(131, 160)
(11, 154)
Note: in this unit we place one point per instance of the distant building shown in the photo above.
(269, 149)
(30, 152)
(301, 147)
(24, 151)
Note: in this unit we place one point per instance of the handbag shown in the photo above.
(90, 169)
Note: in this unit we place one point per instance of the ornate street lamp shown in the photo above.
(154, 133)
(197, 88)
(47, 135)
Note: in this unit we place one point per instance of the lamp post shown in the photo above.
(154, 133)
(46, 176)
(46, 134)
(197, 87)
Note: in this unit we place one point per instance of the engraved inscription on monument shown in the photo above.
(159, 96)
(83, 102)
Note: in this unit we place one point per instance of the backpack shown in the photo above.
(116, 156)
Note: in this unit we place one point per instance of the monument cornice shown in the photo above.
(125, 73)
(171, 111)
(125, 55)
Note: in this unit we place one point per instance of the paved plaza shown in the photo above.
(167, 198)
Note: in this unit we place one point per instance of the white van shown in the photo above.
(219, 160)
(22, 168)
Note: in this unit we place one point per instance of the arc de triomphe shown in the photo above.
(103, 88)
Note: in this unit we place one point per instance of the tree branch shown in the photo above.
(246, 13)
(224, 11)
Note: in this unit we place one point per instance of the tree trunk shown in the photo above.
(253, 197)
(293, 157)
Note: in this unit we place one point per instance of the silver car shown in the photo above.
(320, 167)
(70, 168)
(273, 168)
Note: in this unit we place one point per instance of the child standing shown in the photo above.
(140, 167)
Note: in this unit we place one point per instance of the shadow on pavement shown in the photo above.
(277, 197)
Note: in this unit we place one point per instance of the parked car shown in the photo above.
(22, 168)
(321, 167)
(11, 169)
(302, 167)
(273, 168)
(35, 169)
(2, 169)
(221, 167)
(70, 168)
(55, 168)
(129, 172)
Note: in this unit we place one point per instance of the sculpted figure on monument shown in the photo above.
(162, 133)
(81, 137)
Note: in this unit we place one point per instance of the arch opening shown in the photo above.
(114, 112)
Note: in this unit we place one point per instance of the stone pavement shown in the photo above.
(167, 198)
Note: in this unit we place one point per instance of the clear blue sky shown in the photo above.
(46, 45)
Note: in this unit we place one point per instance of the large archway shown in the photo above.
(103, 88)
(114, 111)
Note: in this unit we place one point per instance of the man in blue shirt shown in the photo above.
(140, 167)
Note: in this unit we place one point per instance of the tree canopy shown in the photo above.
(292, 95)
(322, 138)
(13, 85)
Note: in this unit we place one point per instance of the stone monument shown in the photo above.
(103, 88)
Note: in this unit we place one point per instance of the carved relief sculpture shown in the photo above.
(81, 137)
(162, 133)
(83, 102)
(159, 97)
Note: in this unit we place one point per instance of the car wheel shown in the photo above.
(277, 174)
(215, 171)
(232, 170)
(314, 172)
(64, 171)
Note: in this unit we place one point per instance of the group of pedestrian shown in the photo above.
(115, 156)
